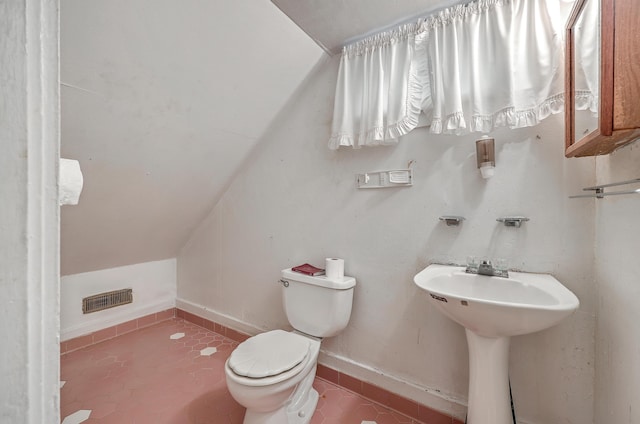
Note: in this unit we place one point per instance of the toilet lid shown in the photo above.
(268, 354)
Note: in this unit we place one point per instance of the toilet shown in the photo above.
(271, 374)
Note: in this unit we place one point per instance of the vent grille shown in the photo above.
(107, 300)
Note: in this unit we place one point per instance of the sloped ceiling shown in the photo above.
(333, 23)
(161, 102)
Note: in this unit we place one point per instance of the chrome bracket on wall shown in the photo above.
(512, 221)
(452, 221)
(599, 190)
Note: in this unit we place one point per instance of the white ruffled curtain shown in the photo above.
(494, 63)
(381, 82)
(485, 64)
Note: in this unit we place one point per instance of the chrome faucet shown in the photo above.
(486, 268)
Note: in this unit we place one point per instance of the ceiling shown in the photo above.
(333, 23)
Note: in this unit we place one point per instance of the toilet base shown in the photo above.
(298, 410)
(283, 415)
(304, 414)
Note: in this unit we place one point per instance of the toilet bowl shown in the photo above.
(271, 374)
(281, 368)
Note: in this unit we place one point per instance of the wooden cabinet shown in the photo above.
(617, 113)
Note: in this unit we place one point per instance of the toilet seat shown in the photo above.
(269, 357)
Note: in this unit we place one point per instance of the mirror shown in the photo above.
(589, 78)
(601, 77)
(586, 69)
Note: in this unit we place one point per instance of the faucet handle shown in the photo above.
(472, 263)
(485, 267)
(500, 264)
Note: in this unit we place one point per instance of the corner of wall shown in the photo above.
(617, 387)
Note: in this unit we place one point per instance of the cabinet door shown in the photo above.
(602, 76)
(626, 111)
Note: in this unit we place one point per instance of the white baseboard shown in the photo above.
(427, 396)
(126, 314)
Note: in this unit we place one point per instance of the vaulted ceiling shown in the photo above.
(163, 100)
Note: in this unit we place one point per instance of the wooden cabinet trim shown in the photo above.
(619, 118)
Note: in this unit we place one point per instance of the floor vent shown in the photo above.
(107, 300)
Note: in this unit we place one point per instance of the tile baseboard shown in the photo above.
(377, 394)
(115, 330)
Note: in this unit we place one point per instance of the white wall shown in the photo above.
(154, 290)
(617, 387)
(295, 201)
(161, 100)
(29, 212)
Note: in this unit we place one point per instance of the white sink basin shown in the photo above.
(495, 306)
(492, 309)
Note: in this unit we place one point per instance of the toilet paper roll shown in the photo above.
(334, 268)
(70, 181)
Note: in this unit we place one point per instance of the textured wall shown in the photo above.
(295, 201)
(161, 101)
(29, 212)
(617, 388)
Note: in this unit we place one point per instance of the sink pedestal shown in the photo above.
(498, 308)
(489, 399)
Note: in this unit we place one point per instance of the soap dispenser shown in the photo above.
(486, 156)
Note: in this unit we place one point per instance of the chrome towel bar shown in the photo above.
(599, 190)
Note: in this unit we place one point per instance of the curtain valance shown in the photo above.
(494, 63)
(381, 82)
(471, 67)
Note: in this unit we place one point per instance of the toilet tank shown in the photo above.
(317, 306)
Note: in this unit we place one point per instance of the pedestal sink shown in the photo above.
(492, 309)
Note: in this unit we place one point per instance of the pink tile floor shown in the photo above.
(144, 377)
